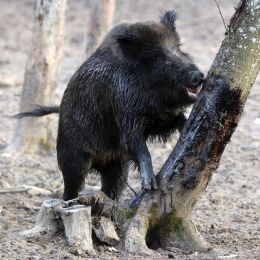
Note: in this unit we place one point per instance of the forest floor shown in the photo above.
(228, 213)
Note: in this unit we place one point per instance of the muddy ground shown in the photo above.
(228, 213)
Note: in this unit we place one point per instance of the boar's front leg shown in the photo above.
(142, 157)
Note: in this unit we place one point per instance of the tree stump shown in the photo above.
(47, 222)
(78, 230)
(77, 218)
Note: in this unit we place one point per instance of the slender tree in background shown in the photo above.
(41, 72)
(165, 217)
(100, 20)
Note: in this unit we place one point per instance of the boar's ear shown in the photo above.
(168, 19)
(130, 45)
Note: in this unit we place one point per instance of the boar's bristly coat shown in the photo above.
(135, 86)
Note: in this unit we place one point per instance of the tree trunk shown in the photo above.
(164, 217)
(40, 80)
(101, 19)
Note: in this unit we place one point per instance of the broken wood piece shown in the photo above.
(91, 197)
(78, 228)
(16, 190)
(47, 222)
(36, 191)
(105, 231)
(101, 204)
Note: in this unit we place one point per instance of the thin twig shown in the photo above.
(126, 182)
(14, 190)
(221, 14)
(131, 189)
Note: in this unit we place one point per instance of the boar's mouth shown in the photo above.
(193, 92)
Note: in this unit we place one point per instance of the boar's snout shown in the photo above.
(191, 80)
(191, 76)
(196, 78)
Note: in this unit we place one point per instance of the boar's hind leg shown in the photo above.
(73, 165)
(113, 178)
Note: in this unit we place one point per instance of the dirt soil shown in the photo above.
(227, 214)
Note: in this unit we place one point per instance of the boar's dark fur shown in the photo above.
(135, 86)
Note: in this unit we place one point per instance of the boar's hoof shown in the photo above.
(150, 182)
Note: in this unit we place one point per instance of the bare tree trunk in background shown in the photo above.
(40, 80)
(101, 19)
(164, 218)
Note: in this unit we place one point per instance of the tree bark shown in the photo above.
(101, 19)
(40, 80)
(164, 218)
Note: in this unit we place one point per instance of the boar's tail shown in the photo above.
(39, 111)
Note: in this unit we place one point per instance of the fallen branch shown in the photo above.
(17, 190)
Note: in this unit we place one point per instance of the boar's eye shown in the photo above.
(168, 19)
